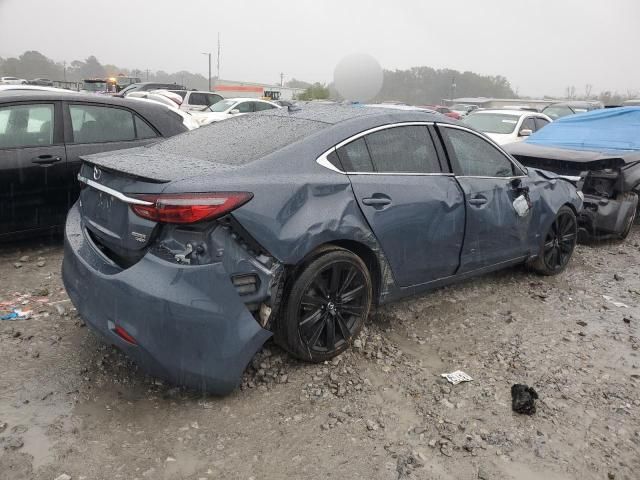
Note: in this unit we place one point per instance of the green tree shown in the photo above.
(317, 91)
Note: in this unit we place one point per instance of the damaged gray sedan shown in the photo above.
(190, 253)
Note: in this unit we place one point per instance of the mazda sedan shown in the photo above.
(190, 253)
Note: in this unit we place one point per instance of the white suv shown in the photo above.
(12, 81)
(193, 100)
(507, 126)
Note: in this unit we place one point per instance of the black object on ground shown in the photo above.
(523, 399)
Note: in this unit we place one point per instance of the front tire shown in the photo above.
(559, 243)
(326, 306)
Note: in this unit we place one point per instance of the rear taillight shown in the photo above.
(189, 207)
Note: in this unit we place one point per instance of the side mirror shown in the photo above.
(525, 132)
(235, 111)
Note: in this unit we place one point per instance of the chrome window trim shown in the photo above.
(322, 160)
(114, 193)
(487, 139)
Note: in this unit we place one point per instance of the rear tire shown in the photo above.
(559, 242)
(325, 306)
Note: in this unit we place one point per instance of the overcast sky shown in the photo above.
(541, 46)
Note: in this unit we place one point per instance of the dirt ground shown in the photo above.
(71, 406)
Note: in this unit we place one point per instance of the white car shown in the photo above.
(231, 107)
(507, 126)
(187, 119)
(158, 96)
(194, 100)
(12, 81)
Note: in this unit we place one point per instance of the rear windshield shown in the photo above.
(239, 140)
(493, 122)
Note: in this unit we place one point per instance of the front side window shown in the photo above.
(476, 156)
(244, 107)
(97, 124)
(541, 122)
(528, 124)
(263, 106)
(403, 150)
(26, 126)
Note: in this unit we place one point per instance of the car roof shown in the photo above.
(10, 96)
(510, 112)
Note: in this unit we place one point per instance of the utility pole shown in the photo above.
(64, 70)
(218, 64)
(147, 74)
(282, 79)
(453, 88)
(209, 55)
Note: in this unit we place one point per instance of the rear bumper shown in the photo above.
(190, 325)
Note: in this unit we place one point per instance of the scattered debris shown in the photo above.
(614, 302)
(17, 314)
(523, 399)
(456, 377)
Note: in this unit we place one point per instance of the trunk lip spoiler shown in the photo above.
(119, 195)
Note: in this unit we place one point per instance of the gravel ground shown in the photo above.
(71, 407)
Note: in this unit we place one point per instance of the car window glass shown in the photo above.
(93, 124)
(211, 99)
(143, 130)
(244, 107)
(197, 98)
(403, 150)
(528, 124)
(476, 156)
(26, 126)
(541, 122)
(263, 106)
(354, 156)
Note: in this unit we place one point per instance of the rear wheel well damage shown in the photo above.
(281, 285)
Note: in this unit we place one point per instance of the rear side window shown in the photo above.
(476, 156)
(354, 156)
(198, 99)
(143, 130)
(528, 124)
(26, 126)
(403, 150)
(98, 124)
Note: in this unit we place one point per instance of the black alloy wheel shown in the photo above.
(326, 306)
(331, 307)
(559, 243)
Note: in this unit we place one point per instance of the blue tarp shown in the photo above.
(605, 130)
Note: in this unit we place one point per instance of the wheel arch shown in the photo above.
(364, 252)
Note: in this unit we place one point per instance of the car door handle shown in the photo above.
(376, 201)
(477, 201)
(45, 160)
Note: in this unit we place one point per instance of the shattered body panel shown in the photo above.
(611, 182)
(224, 280)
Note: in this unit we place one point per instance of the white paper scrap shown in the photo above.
(456, 377)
